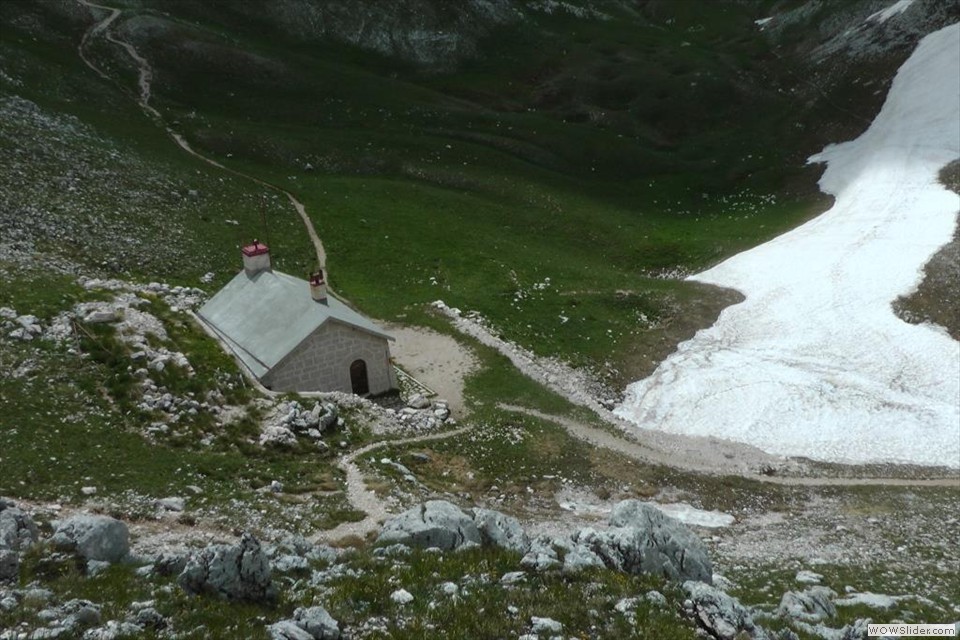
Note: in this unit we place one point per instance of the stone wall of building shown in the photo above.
(322, 361)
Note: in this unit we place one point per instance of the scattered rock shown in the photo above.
(317, 622)
(401, 596)
(419, 401)
(514, 577)
(544, 553)
(287, 630)
(581, 558)
(170, 563)
(104, 316)
(114, 630)
(172, 504)
(79, 613)
(234, 572)
(808, 577)
(277, 436)
(93, 537)
(149, 618)
(545, 625)
(656, 598)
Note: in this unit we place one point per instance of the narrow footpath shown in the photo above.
(143, 99)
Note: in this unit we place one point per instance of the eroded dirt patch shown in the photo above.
(436, 360)
(937, 299)
(698, 311)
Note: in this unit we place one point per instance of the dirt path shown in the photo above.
(642, 453)
(145, 80)
(365, 500)
(436, 360)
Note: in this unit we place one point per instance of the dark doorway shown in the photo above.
(358, 378)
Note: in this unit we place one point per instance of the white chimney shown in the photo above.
(256, 258)
(318, 286)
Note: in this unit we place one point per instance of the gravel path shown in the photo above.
(365, 500)
(694, 463)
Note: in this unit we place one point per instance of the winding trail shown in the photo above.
(363, 499)
(144, 82)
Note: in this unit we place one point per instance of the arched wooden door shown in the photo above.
(358, 378)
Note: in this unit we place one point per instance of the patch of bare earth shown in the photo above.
(699, 311)
(436, 360)
(937, 299)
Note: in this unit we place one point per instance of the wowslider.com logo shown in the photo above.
(912, 630)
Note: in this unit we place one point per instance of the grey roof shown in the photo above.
(264, 317)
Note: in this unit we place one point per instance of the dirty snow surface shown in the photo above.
(814, 363)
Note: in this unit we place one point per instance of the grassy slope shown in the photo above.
(628, 156)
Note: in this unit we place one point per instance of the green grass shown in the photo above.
(117, 588)
(764, 585)
(582, 603)
(479, 180)
(72, 420)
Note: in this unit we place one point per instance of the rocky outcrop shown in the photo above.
(436, 523)
(443, 525)
(641, 540)
(93, 538)
(233, 572)
(545, 553)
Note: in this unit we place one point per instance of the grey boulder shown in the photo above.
(500, 530)
(9, 565)
(645, 540)
(436, 523)
(719, 615)
(287, 630)
(17, 529)
(814, 604)
(233, 572)
(310, 623)
(93, 538)
(581, 558)
(545, 553)
(317, 622)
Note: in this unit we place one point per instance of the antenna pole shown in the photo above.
(263, 220)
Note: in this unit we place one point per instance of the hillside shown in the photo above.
(518, 189)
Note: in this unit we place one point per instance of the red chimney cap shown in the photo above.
(255, 249)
